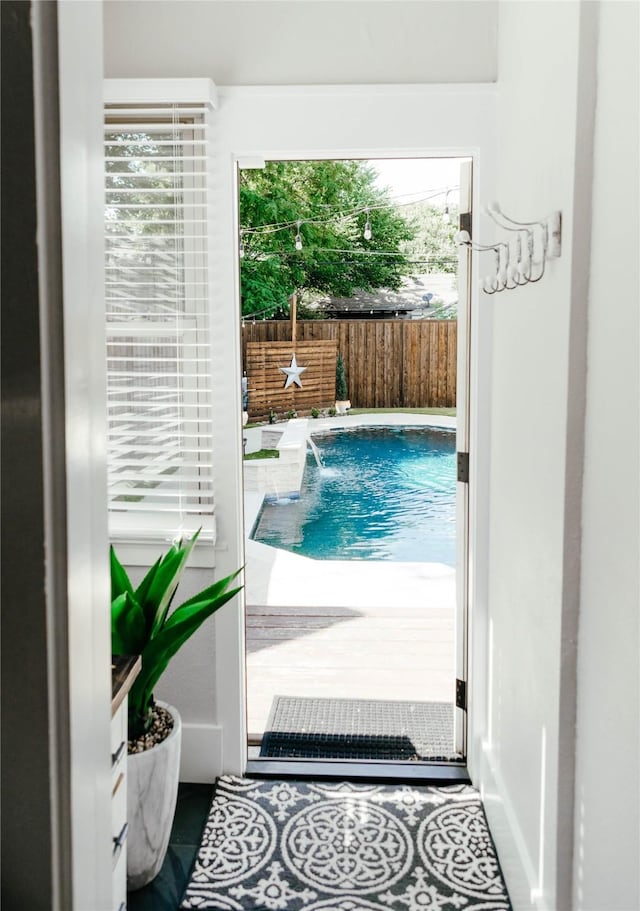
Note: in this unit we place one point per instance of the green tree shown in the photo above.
(138, 187)
(322, 196)
(433, 238)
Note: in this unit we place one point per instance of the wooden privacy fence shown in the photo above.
(388, 363)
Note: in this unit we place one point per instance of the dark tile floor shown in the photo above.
(166, 891)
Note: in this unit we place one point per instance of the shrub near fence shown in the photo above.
(389, 363)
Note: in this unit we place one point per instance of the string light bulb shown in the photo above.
(298, 236)
(446, 215)
(367, 227)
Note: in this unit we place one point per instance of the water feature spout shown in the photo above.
(316, 452)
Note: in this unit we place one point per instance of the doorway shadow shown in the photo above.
(316, 745)
(360, 729)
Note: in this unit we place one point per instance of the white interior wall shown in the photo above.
(524, 757)
(361, 122)
(258, 42)
(251, 42)
(273, 123)
(607, 842)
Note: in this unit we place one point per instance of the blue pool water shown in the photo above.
(383, 493)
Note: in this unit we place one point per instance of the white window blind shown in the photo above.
(160, 472)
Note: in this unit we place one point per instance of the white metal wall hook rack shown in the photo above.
(521, 259)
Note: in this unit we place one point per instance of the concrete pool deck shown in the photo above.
(345, 629)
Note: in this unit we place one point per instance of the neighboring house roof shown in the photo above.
(410, 301)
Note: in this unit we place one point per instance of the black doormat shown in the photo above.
(359, 729)
(302, 846)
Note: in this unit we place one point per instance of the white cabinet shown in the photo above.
(124, 670)
(119, 806)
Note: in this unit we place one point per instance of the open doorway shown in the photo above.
(356, 649)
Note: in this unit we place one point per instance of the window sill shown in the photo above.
(137, 546)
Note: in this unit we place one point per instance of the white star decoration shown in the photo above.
(293, 373)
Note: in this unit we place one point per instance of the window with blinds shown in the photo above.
(160, 473)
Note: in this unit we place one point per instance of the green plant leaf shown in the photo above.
(184, 621)
(120, 581)
(128, 628)
(142, 592)
(210, 593)
(166, 580)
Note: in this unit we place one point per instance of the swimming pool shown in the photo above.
(382, 493)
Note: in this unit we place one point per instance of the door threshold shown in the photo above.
(437, 773)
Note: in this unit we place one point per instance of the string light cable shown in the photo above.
(276, 227)
(409, 257)
(260, 315)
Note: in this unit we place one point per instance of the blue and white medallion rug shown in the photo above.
(302, 846)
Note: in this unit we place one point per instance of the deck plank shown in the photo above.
(392, 653)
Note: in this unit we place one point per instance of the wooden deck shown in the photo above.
(391, 653)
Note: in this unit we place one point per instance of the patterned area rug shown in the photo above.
(302, 846)
(359, 729)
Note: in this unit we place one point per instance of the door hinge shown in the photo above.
(463, 467)
(461, 694)
(465, 222)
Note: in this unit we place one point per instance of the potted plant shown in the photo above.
(142, 623)
(342, 402)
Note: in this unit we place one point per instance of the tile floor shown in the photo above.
(166, 891)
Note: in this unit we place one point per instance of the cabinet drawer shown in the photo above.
(119, 816)
(118, 730)
(119, 878)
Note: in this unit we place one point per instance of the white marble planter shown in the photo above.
(342, 406)
(152, 791)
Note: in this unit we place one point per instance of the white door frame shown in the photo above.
(307, 123)
(463, 423)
